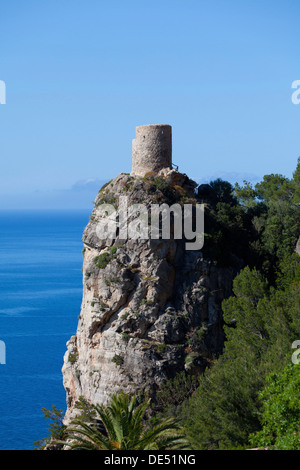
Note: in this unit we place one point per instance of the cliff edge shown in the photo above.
(150, 308)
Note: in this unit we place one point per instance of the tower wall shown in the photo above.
(151, 149)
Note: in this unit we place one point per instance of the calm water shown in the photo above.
(40, 298)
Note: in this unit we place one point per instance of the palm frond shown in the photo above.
(123, 429)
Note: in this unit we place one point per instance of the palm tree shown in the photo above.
(123, 428)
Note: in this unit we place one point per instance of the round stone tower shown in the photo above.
(151, 149)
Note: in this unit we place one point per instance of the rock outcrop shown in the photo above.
(150, 308)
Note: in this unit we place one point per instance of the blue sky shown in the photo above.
(81, 75)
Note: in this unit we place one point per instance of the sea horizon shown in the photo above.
(41, 292)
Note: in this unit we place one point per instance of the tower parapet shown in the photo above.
(151, 149)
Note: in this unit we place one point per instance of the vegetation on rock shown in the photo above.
(121, 426)
(248, 394)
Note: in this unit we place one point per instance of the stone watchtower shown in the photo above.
(151, 149)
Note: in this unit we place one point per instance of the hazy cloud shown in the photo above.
(80, 196)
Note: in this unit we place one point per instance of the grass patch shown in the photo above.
(102, 261)
(72, 358)
(113, 250)
(160, 348)
(118, 360)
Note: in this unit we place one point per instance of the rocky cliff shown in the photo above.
(150, 308)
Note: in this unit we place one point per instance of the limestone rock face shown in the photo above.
(150, 308)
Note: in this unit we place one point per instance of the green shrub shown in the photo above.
(105, 185)
(102, 261)
(126, 337)
(160, 348)
(118, 360)
(281, 411)
(72, 358)
(113, 250)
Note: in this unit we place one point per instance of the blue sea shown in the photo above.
(40, 299)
